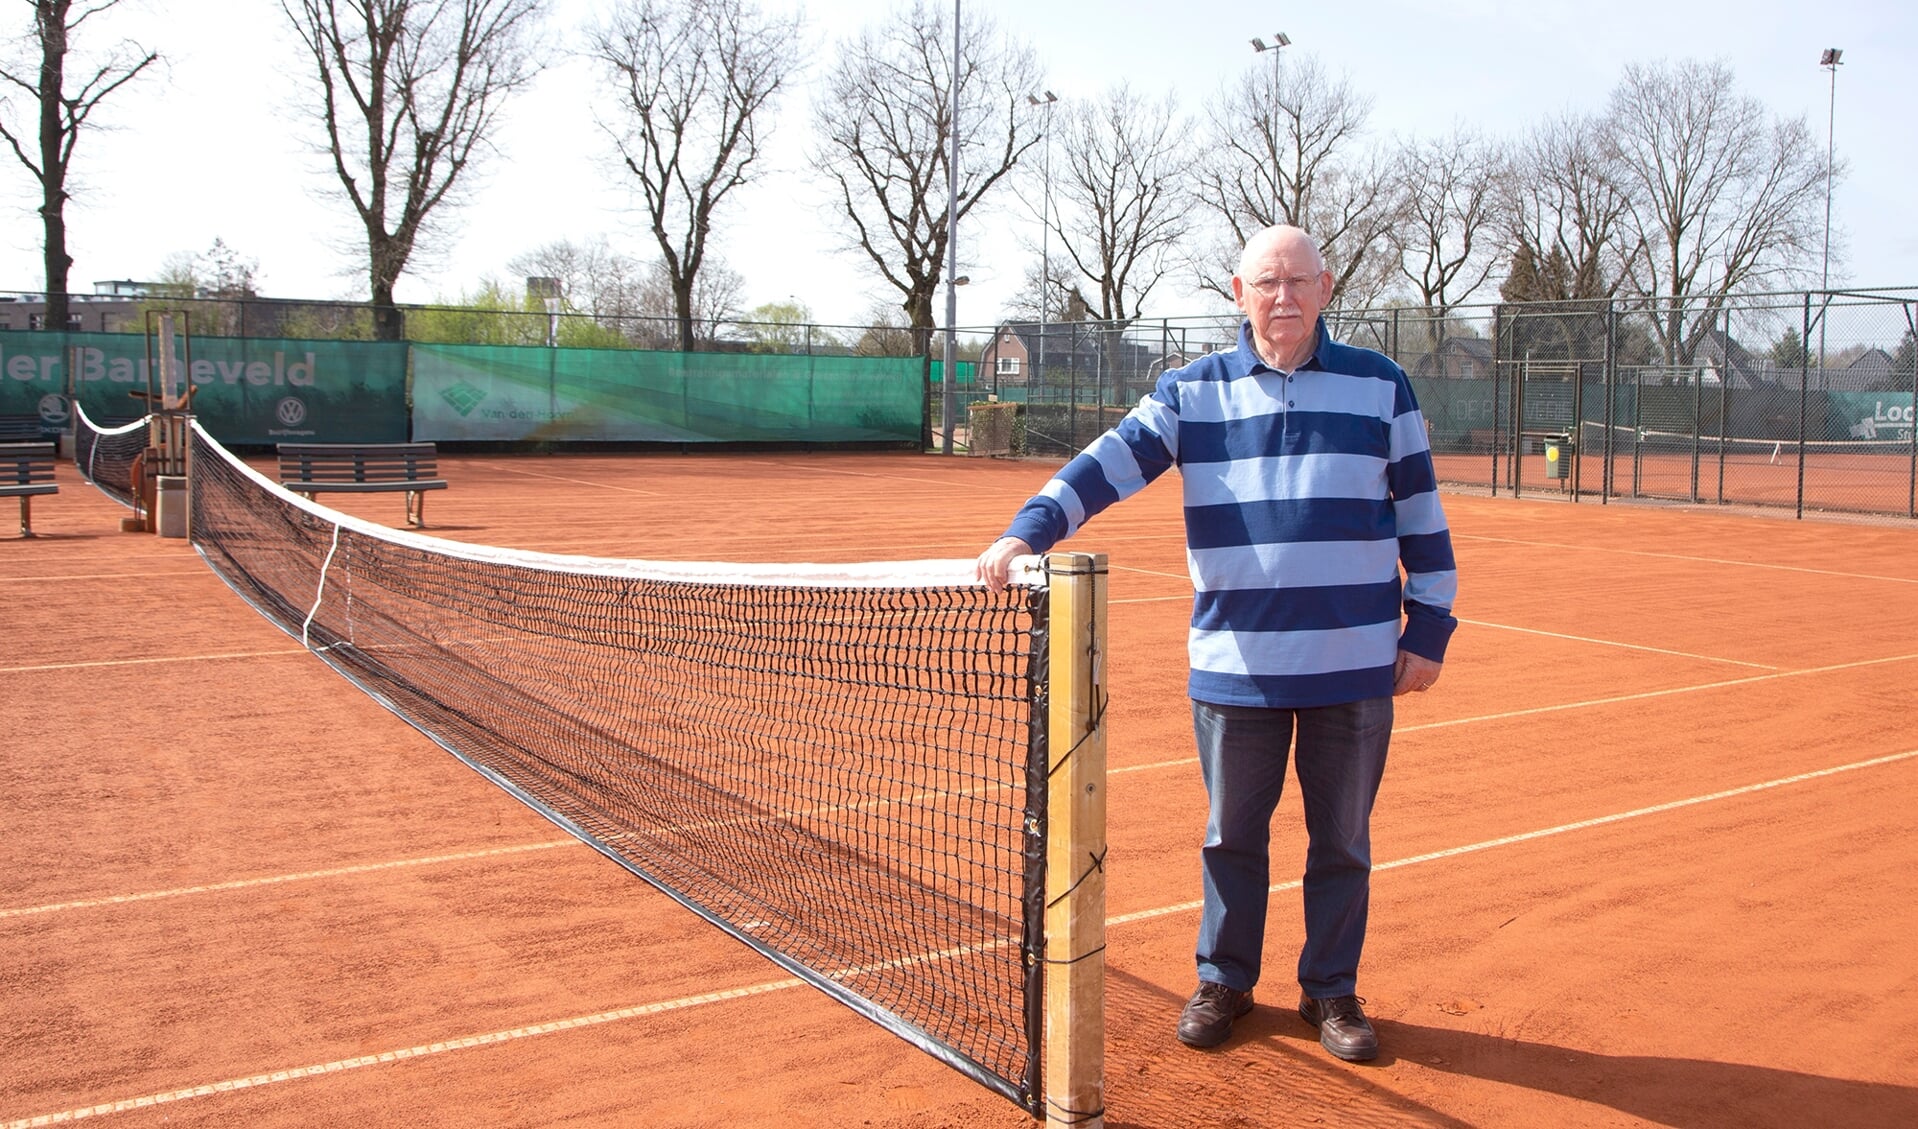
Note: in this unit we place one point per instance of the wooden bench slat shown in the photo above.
(312, 468)
(26, 472)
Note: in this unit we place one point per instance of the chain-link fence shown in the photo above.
(1801, 400)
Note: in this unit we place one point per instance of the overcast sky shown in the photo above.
(210, 148)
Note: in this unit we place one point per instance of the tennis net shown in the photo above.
(845, 767)
(104, 455)
(1598, 438)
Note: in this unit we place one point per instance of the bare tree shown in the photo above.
(1565, 207)
(693, 75)
(715, 305)
(1292, 151)
(1045, 290)
(886, 334)
(594, 279)
(410, 90)
(1124, 160)
(1445, 243)
(217, 272)
(1721, 195)
(62, 114)
(885, 128)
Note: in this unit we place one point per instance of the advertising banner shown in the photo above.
(521, 393)
(1872, 415)
(246, 390)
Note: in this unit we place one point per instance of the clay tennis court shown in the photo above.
(1643, 856)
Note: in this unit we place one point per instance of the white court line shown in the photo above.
(578, 481)
(1643, 695)
(1127, 770)
(1612, 643)
(136, 576)
(640, 1010)
(147, 662)
(916, 480)
(1658, 650)
(296, 1073)
(1561, 829)
(1586, 704)
(276, 879)
(1683, 557)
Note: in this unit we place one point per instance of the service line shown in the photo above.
(577, 481)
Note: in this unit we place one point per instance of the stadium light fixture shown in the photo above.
(1279, 39)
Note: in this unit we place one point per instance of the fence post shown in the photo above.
(1498, 354)
(1911, 432)
(1804, 383)
(1607, 481)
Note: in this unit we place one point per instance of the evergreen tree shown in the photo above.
(1521, 282)
(1789, 351)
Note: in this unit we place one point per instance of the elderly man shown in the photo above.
(1308, 483)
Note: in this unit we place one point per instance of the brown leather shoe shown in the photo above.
(1343, 1028)
(1207, 1019)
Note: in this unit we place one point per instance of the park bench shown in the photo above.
(26, 469)
(360, 468)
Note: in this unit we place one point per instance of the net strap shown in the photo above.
(319, 591)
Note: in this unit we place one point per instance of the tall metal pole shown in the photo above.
(1828, 60)
(1275, 135)
(951, 373)
(1045, 225)
(1279, 39)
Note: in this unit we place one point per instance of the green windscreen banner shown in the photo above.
(516, 393)
(246, 390)
(1873, 415)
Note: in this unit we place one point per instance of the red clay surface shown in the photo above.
(1644, 854)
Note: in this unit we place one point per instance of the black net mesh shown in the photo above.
(838, 776)
(105, 454)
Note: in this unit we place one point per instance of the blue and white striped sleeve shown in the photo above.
(1113, 467)
(1425, 540)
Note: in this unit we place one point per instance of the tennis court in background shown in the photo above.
(1643, 854)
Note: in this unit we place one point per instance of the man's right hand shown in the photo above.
(995, 564)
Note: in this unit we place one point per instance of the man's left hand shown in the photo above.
(1414, 673)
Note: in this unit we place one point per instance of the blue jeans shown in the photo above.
(1341, 759)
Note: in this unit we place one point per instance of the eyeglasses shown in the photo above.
(1270, 287)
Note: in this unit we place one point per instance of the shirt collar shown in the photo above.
(1251, 351)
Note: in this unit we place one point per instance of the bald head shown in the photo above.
(1282, 285)
(1291, 242)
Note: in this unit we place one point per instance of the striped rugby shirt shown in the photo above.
(1304, 492)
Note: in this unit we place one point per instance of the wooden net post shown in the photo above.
(1076, 843)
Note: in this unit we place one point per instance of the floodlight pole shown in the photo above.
(1830, 61)
(949, 376)
(1045, 225)
(1279, 39)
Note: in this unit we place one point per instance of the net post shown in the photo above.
(1076, 843)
